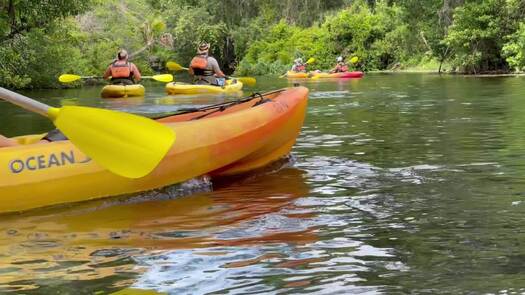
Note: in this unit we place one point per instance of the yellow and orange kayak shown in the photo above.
(117, 91)
(231, 86)
(297, 75)
(221, 140)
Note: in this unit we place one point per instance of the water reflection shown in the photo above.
(94, 241)
(402, 184)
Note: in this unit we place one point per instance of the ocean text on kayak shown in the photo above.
(45, 161)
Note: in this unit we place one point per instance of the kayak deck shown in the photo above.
(231, 86)
(118, 91)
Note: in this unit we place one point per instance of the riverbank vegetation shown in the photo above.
(39, 40)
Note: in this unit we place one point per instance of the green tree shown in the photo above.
(477, 36)
(19, 17)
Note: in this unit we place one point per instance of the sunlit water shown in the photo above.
(405, 183)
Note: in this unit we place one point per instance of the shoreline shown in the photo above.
(516, 74)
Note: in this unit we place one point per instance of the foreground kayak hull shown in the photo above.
(182, 88)
(216, 142)
(118, 91)
(343, 75)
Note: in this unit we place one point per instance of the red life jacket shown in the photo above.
(341, 68)
(200, 66)
(121, 71)
(199, 62)
(301, 68)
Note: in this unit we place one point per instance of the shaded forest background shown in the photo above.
(39, 40)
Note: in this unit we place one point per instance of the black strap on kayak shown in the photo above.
(263, 100)
(225, 105)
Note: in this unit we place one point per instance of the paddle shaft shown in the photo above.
(24, 102)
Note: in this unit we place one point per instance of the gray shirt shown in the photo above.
(213, 65)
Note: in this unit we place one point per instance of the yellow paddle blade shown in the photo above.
(310, 60)
(173, 66)
(166, 78)
(68, 78)
(354, 59)
(127, 145)
(250, 81)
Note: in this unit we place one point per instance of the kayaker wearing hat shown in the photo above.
(341, 66)
(299, 66)
(122, 71)
(205, 68)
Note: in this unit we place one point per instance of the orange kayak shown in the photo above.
(220, 140)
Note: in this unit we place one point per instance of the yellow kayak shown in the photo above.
(183, 88)
(299, 75)
(117, 91)
(225, 139)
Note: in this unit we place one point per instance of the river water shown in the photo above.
(398, 183)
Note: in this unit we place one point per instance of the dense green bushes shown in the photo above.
(375, 36)
(41, 39)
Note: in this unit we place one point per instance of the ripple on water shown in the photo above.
(331, 94)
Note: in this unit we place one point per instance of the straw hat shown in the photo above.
(122, 54)
(203, 48)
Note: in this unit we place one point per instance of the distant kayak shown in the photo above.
(314, 75)
(118, 91)
(183, 88)
(356, 74)
(298, 75)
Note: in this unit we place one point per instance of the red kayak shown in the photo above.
(356, 74)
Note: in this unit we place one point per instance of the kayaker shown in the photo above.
(122, 71)
(205, 68)
(341, 66)
(299, 66)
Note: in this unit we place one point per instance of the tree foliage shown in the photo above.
(42, 39)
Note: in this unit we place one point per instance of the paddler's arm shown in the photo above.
(5, 142)
(107, 73)
(216, 69)
(136, 73)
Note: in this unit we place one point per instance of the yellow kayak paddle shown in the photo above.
(125, 144)
(68, 78)
(173, 66)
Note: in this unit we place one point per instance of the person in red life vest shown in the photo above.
(299, 66)
(205, 68)
(122, 71)
(341, 66)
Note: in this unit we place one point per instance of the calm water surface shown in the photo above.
(404, 183)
